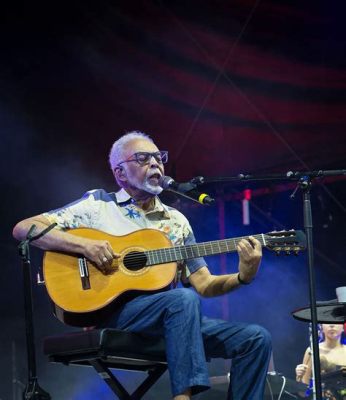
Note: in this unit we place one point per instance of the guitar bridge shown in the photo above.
(84, 273)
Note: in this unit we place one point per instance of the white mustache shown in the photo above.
(152, 173)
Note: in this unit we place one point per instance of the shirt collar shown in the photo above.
(124, 198)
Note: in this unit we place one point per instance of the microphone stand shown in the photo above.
(304, 180)
(32, 390)
(305, 185)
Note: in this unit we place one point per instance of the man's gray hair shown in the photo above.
(116, 152)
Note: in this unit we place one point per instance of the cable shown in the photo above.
(283, 387)
(270, 388)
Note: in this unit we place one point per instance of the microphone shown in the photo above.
(185, 189)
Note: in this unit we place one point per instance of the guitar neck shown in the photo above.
(179, 253)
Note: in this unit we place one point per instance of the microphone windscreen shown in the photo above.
(165, 182)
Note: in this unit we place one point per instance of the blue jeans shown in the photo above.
(192, 339)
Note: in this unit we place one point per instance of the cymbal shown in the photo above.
(331, 313)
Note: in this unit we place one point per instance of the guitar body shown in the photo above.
(84, 296)
(81, 300)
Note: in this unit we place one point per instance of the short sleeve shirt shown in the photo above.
(117, 214)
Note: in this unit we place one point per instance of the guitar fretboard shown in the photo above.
(179, 253)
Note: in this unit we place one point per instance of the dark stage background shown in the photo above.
(228, 87)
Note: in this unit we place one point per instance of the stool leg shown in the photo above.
(153, 376)
(111, 380)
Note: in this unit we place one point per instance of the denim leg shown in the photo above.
(174, 314)
(249, 347)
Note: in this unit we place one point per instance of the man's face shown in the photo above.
(142, 177)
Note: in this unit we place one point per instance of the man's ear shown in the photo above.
(120, 173)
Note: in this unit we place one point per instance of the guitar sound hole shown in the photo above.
(135, 260)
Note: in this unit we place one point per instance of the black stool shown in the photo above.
(111, 348)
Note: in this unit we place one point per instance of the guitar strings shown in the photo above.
(211, 245)
(191, 251)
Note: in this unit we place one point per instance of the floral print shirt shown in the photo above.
(118, 214)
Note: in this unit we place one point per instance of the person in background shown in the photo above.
(332, 357)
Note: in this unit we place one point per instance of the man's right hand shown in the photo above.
(100, 253)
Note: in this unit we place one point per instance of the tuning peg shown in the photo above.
(287, 252)
(277, 252)
(296, 252)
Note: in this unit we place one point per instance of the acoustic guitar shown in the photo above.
(84, 296)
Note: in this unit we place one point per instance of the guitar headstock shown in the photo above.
(286, 241)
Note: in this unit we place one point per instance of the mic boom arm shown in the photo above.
(187, 190)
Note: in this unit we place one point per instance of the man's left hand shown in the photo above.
(250, 255)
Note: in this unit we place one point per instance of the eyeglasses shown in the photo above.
(144, 157)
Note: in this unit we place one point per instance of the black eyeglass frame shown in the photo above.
(160, 156)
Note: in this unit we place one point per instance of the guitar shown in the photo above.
(83, 296)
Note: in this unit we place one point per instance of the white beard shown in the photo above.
(146, 186)
(151, 188)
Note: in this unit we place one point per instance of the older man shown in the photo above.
(138, 165)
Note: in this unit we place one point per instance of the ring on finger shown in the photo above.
(104, 259)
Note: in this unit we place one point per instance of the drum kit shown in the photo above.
(334, 383)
